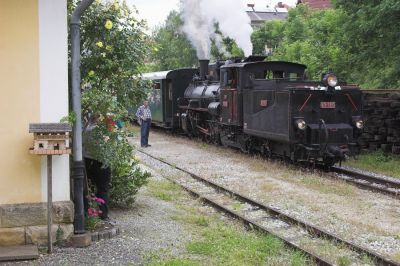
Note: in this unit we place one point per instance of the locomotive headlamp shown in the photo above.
(359, 124)
(330, 80)
(301, 124)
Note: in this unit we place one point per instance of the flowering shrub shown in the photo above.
(114, 47)
(93, 212)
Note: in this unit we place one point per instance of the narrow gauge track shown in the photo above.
(296, 231)
(369, 181)
(382, 91)
(388, 186)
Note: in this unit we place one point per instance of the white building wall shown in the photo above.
(53, 52)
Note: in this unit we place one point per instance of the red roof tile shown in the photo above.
(318, 4)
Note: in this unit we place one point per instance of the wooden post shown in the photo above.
(49, 204)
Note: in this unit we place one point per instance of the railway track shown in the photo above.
(382, 91)
(295, 233)
(388, 185)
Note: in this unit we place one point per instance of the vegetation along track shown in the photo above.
(295, 233)
(370, 181)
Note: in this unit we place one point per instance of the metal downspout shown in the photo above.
(78, 164)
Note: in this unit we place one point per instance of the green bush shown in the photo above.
(112, 149)
(126, 184)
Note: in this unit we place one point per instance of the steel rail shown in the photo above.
(381, 91)
(358, 177)
(311, 229)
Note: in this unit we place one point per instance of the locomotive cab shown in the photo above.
(301, 120)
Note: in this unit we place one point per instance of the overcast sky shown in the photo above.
(156, 11)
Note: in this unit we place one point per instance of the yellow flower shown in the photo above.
(116, 6)
(155, 49)
(91, 73)
(99, 44)
(108, 47)
(108, 24)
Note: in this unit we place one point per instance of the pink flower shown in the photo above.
(92, 212)
(99, 200)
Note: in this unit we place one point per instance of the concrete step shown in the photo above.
(24, 252)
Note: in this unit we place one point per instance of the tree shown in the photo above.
(172, 49)
(223, 47)
(358, 40)
(114, 46)
(308, 37)
(372, 30)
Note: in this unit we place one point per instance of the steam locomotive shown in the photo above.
(263, 106)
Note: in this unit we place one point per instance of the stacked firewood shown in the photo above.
(382, 121)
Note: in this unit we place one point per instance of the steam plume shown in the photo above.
(199, 17)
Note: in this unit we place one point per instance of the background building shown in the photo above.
(317, 4)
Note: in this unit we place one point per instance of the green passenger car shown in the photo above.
(168, 88)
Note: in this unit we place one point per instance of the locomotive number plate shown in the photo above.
(328, 105)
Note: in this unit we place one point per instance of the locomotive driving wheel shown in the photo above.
(245, 143)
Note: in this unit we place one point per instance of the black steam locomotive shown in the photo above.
(256, 105)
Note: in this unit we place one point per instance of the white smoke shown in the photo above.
(219, 43)
(199, 17)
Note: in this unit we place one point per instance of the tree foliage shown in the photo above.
(359, 40)
(309, 37)
(373, 41)
(172, 48)
(114, 47)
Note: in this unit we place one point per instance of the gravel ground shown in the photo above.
(367, 218)
(145, 228)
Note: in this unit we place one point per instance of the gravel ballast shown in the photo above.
(145, 228)
(367, 218)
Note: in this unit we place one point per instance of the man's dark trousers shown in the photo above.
(144, 132)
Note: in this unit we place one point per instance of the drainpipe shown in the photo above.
(78, 165)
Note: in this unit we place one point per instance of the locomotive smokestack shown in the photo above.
(203, 68)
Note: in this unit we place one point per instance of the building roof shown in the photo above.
(318, 4)
(259, 17)
(49, 127)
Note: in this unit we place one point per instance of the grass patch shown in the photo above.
(378, 162)
(202, 145)
(214, 242)
(396, 256)
(132, 130)
(174, 262)
(344, 261)
(229, 247)
(192, 219)
(321, 185)
(164, 190)
(368, 260)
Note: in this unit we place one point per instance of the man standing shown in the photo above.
(144, 118)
